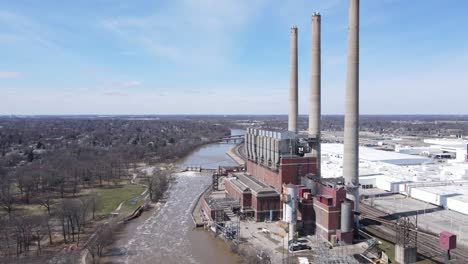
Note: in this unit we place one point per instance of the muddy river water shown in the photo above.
(166, 234)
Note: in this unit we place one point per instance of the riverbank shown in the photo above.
(147, 238)
(197, 216)
(233, 153)
(161, 234)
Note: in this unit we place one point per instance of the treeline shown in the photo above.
(24, 140)
(388, 124)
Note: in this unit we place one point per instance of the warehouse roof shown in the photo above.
(450, 190)
(245, 183)
(375, 155)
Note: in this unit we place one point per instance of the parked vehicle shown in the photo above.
(296, 247)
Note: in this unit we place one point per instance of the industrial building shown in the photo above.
(283, 178)
(442, 184)
(276, 157)
(314, 188)
(256, 199)
(454, 149)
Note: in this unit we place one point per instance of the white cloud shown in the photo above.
(9, 74)
(129, 84)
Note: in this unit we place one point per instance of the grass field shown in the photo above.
(109, 198)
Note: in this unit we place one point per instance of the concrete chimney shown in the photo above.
(293, 110)
(351, 127)
(315, 85)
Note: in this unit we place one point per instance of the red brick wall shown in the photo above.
(306, 210)
(328, 218)
(287, 172)
(338, 195)
(231, 190)
(254, 202)
(289, 168)
(268, 203)
(264, 174)
(263, 205)
(207, 209)
(245, 199)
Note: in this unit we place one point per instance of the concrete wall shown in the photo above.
(425, 196)
(390, 185)
(457, 205)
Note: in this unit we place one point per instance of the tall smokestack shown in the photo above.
(351, 127)
(315, 85)
(293, 110)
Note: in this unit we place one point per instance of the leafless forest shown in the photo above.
(52, 169)
(406, 125)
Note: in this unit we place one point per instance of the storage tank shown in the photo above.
(291, 209)
(292, 194)
(346, 217)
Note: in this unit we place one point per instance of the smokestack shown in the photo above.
(315, 85)
(351, 127)
(293, 110)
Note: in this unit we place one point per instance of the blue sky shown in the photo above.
(226, 56)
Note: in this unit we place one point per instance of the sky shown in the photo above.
(226, 56)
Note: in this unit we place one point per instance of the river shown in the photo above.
(166, 234)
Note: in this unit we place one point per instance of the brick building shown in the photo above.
(256, 199)
(328, 210)
(290, 170)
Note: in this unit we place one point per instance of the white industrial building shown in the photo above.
(374, 155)
(457, 149)
(453, 197)
(442, 184)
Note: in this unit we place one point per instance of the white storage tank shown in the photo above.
(346, 217)
(292, 194)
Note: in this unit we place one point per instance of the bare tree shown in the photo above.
(6, 194)
(45, 200)
(158, 183)
(102, 238)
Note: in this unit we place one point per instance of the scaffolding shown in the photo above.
(406, 234)
(406, 239)
(337, 255)
(324, 254)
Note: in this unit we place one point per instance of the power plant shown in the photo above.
(285, 181)
(282, 179)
